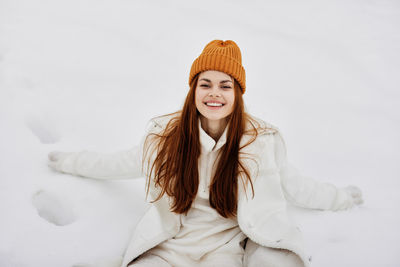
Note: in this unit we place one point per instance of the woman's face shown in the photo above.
(214, 95)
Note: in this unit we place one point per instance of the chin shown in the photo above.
(215, 118)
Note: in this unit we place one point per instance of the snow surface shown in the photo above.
(89, 74)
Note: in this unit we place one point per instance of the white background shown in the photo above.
(89, 74)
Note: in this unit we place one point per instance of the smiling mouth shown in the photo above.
(213, 104)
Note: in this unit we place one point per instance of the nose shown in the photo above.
(214, 92)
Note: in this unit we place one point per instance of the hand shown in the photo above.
(55, 158)
(355, 194)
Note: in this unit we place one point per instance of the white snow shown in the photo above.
(89, 74)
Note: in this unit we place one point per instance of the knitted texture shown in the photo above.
(222, 56)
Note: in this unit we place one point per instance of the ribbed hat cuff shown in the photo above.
(222, 63)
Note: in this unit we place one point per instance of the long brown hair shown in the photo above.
(174, 169)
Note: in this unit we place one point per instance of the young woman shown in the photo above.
(217, 177)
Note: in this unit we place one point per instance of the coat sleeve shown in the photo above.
(304, 191)
(123, 164)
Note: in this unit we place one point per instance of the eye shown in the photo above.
(204, 85)
(227, 87)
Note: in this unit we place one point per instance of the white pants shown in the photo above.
(254, 256)
(152, 260)
(149, 260)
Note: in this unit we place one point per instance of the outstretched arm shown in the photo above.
(308, 193)
(118, 165)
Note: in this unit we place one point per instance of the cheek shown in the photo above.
(231, 100)
(198, 99)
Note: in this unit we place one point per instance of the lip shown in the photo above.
(214, 108)
(214, 101)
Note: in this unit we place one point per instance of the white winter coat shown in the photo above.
(263, 219)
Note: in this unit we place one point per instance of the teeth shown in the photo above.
(214, 104)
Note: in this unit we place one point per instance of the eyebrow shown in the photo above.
(207, 80)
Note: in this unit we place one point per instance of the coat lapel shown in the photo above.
(208, 143)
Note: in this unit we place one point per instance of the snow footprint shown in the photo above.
(45, 134)
(52, 209)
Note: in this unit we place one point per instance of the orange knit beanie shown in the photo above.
(223, 56)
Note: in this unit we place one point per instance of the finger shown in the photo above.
(52, 165)
(54, 155)
(358, 201)
(354, 191)
(356, 194)
(357, 191)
